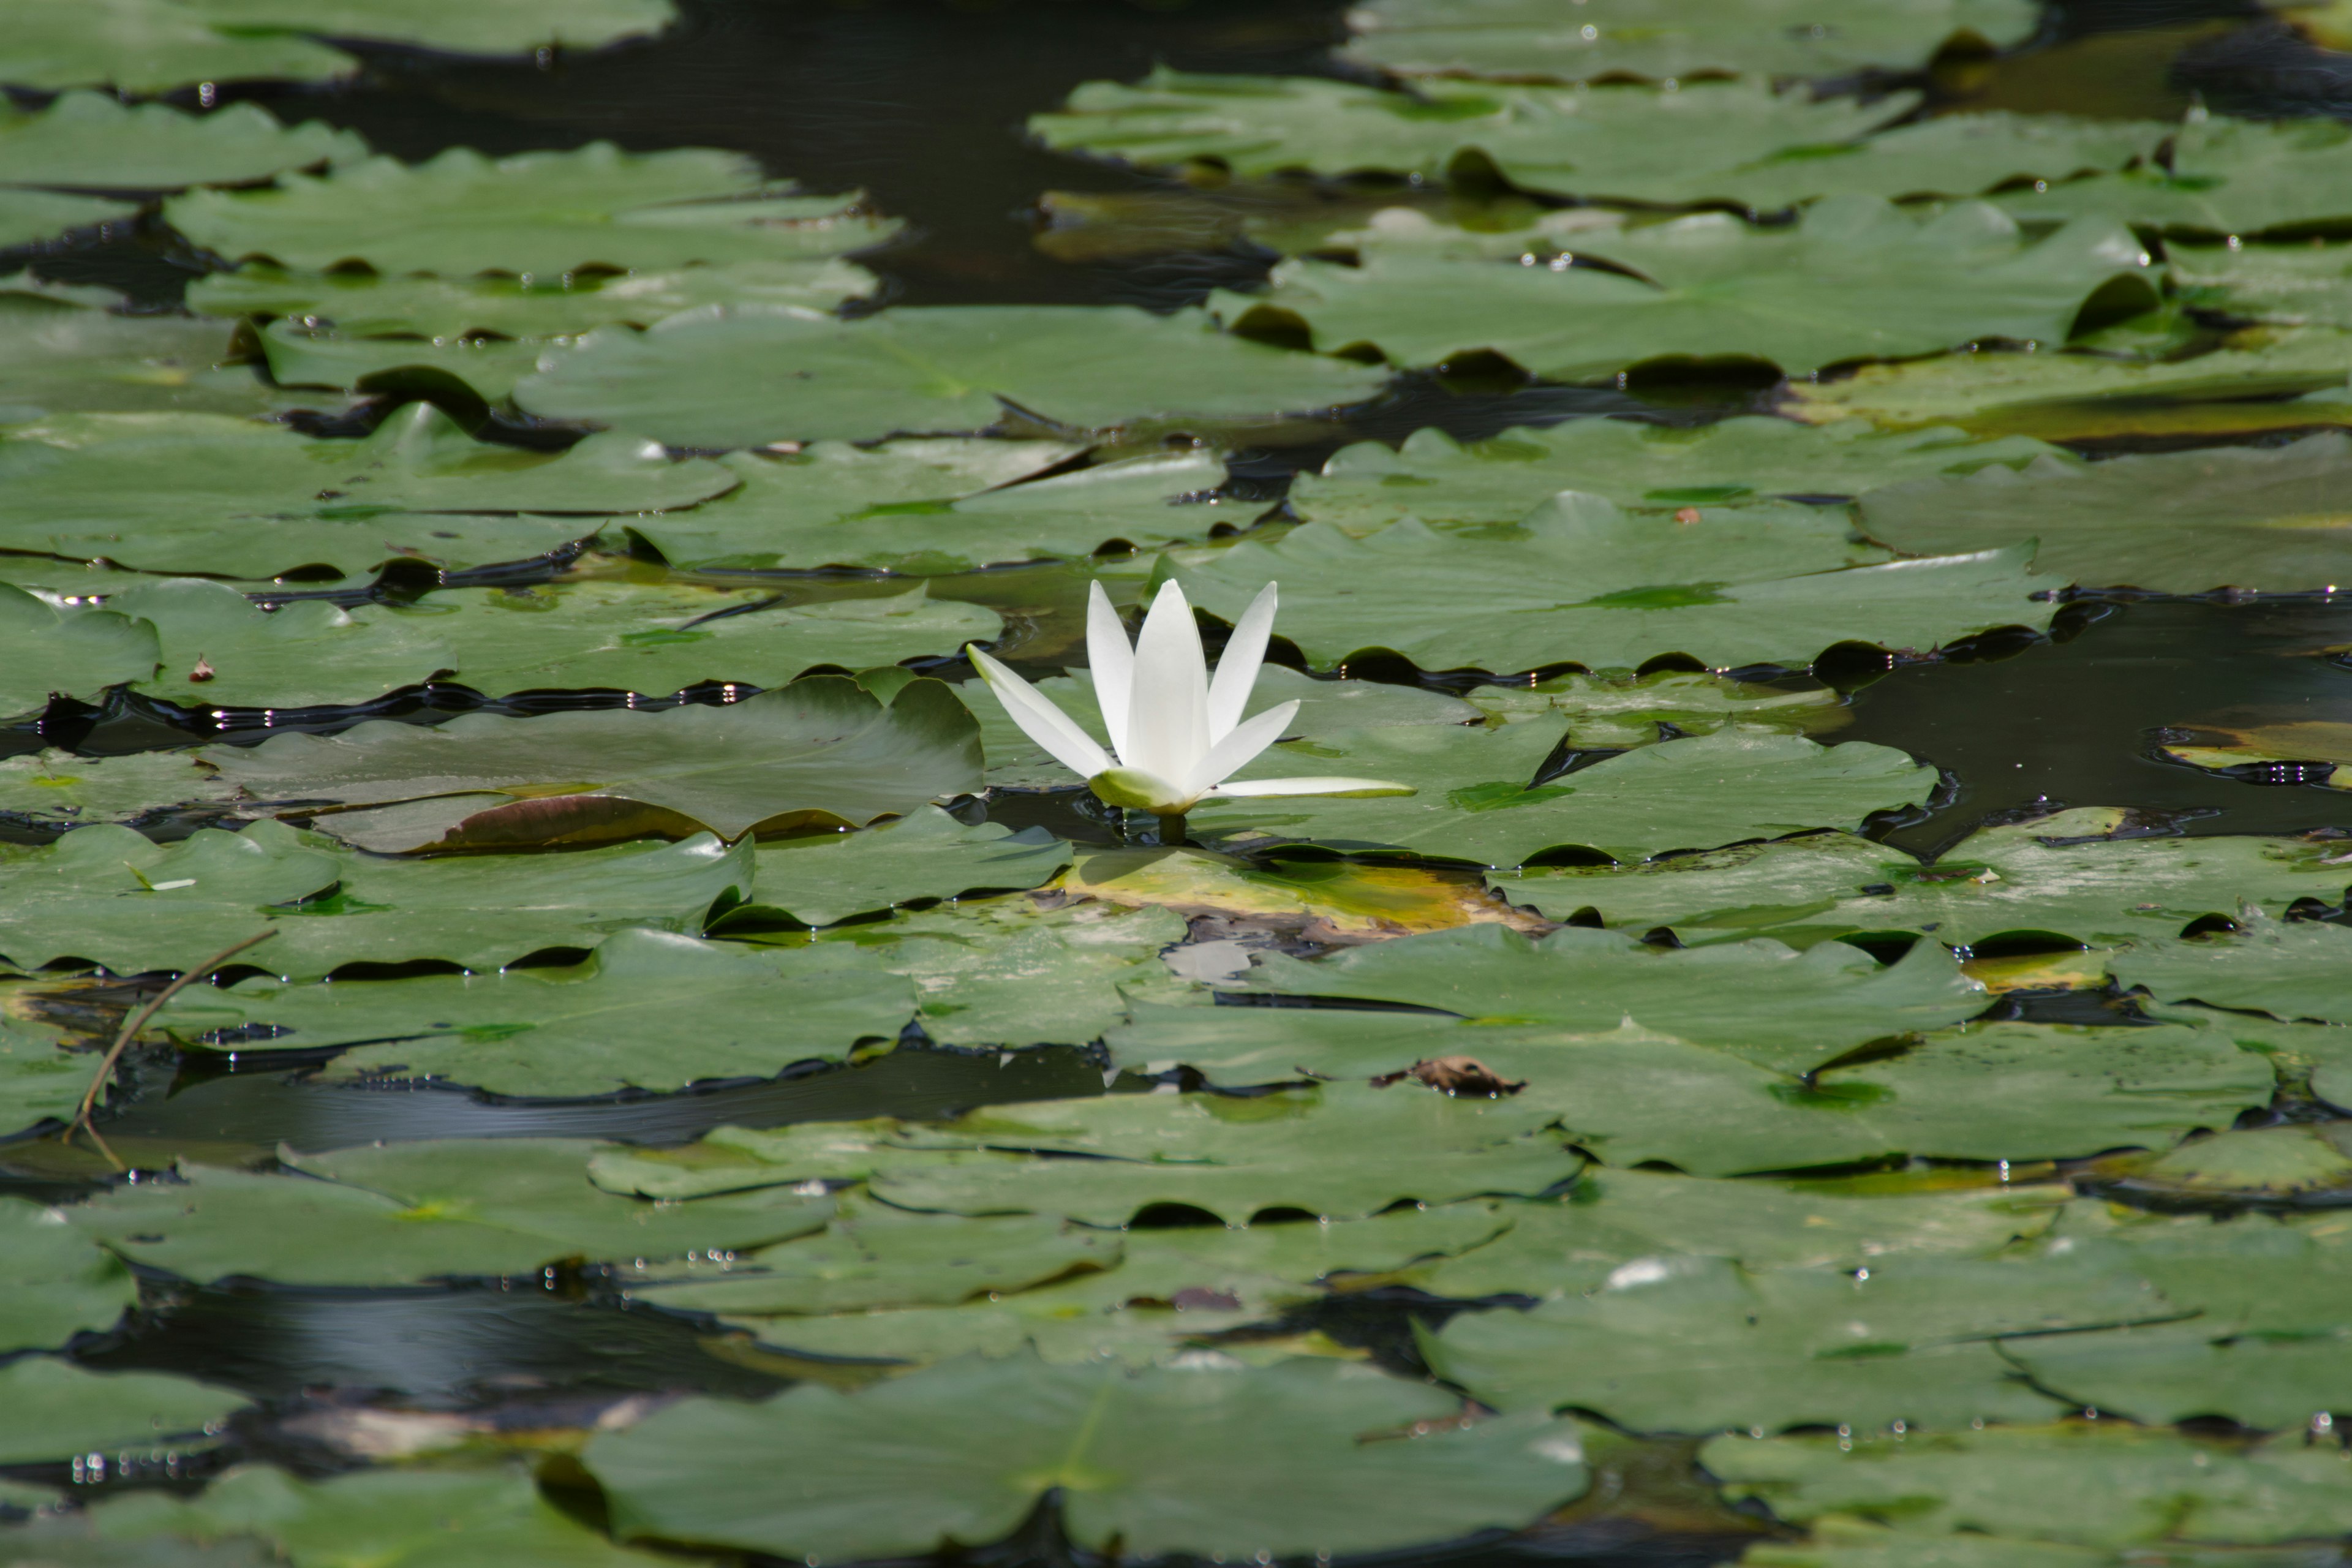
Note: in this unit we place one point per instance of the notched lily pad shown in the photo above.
(2294, 1166)
(2289, 968)
(92, 141)
(926, 855)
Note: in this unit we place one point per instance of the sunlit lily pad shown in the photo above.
(58, 1412)
(1855, 278)
(2265, 745)
(530, 214)
(1619, 709)
(1523, 38)
(91, 141)
(926, 855)
(1304, 1457)
(147, 46)
(1699, 1344)
(609, 1025)
(29, 215)
(820, 751)
(2299, 969)
(65, 350)
(303, 357)
(1477, 800)
(59, 1284)
(2293, 1163)
(403, 1212)
(1338, 896)
(1582, 581)
(457, 27)
(2107, 1484)
(741, 376)
(2225, 177)
(2180, 1371)
(2262, 518)
(49, 649)
(400, 1517)
(1756, 1000)
(1736, 461)
(2060, 874)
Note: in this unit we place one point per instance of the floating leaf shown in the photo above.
(59, 1411)
(2302, 284)
(1303, 1457)
(60, 789)
(2288, 969)
(1478, 803)
(741, 376)
(89, 141)
(2265, 745)
(1736, 461)
(820, 751)
(1757, 1000)
(610, 1024)
(2180, 1371)
(2067, 874)
(1626, 711)
(1582, 581)
(926, 855)
(59, 1284)
(26, 217)
(1334, 896)
(455, 27)
(2262, 518)
(46, 650)
(2225, 176)
(1524, 38)
(146, 47)
(1855, 278)
(393, 1214)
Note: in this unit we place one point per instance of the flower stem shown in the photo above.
(1171, 829)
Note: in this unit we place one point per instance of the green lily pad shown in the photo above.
(89, 141)
(1524, 38)
(299, 357)
(372, 305)
(59, 1284)
(2262, 518)
(530, 214)
(454, 27)
(57, 788)
(1700, 1344)
(59, 1411)
(741, 376)
(1626, 1223)
(2103, 1484)
(2267, 1164)
(2061, 874)
(2287, 969)
(26, 217)
(1735, 139)
(105, 895)
(147, 47)
(38, 1082)
(609, 1025)
(2227, 177)
(1582, 581)
(393, 1214)
(926, 855)
(872, 1256)
(821, 751)
(1326, 708)
(393, 1517)
(1477, 802)
(1303, 1457)
(1626, 711)
(2177, 1372)
(1736, 461)
(1839, 1541)
(1855, 279)
(2293, 741)
(49, 650)
(64, 351)
(1756, 1000)
(2305, 284)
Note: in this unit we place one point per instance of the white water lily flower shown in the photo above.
(1175, 736)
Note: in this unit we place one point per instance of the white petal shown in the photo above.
(1167, 716)
(1112, 662)
(1242, 789)
(1140, 791)
(1039, 719)
(1240, 745)
(1237, 668)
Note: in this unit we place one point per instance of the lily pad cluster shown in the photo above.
(532, 603)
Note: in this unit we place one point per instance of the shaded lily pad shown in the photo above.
(1700, 1344)
(926, 855)
(2225, 177)
(1478, 803)
(2302, 284)
(58, 788)
(2060, 874)
(1582, 581)
(2261, 518)
(59, 1284)
(47, 649)
(26, 217)
(2103, 1484)
(1288, 1459)
(299, 357)
(393, 1517)
(92, 141)
(393, 1213)
(820, 751)
(2288, 969)
(530, 214)
(612, 1024)
(741, 376)
(1855, 279)
(1523, 38)
(1738, 460)
(148, 46)
(39, 1080)
(58, 1412)
(67, 351)
(1756, 1000)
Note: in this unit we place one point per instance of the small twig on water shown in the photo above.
(131, 1027)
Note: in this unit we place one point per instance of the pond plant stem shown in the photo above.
(131, 1027)
(1171, 829)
